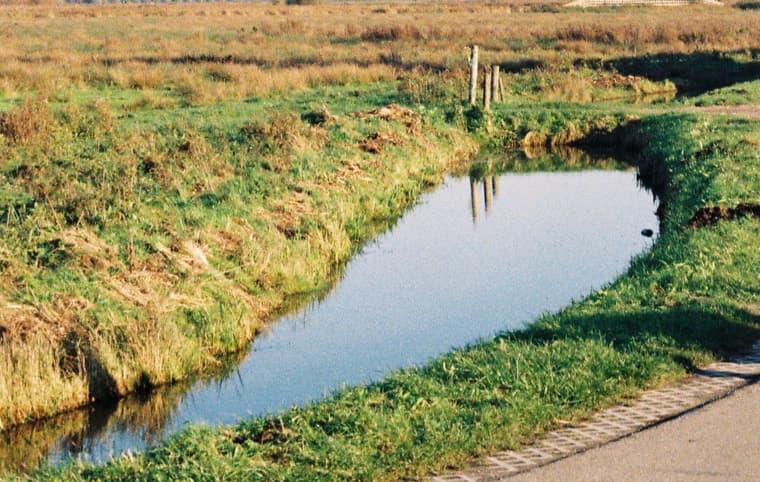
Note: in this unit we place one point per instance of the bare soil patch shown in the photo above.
(710, 215)
(749, 111)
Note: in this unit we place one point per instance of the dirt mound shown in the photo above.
(375, 143)
(51, 319)
(394, 112)
(709, 216)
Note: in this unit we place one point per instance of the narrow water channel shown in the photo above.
(476, 256)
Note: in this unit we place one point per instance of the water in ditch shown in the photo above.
(482, 253)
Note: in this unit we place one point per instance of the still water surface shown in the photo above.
(473, 258)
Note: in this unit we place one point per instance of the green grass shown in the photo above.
(149, 229)
(692, 299)
(736, 94)
(150, 239)
(147, 244)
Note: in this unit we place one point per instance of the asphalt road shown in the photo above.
(719, 442)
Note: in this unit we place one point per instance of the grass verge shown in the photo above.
(690, 300)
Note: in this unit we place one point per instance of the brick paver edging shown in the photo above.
(653, 407)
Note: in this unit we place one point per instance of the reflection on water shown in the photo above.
(490, 190)
(549, 159)
(483, 253)
(143, 418)
(487, 170)
(474, 200)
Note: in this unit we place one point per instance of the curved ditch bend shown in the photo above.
(474, 257)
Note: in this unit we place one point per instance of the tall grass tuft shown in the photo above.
(29, 121)
(420, 86)
(32, 381)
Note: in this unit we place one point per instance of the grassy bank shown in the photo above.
(170, 175)
(139, 249)
(692, 299)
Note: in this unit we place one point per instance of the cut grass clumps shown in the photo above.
(685, 303)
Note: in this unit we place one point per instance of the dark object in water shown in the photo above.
(647, 232)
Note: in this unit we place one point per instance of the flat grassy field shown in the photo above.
(172, 175)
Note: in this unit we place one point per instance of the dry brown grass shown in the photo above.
(26, 123)
(208, 52)
(36, 358)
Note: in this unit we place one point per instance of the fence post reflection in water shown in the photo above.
(490, 191)
(474, 199)
(487, 192)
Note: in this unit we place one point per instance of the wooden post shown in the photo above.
(495, 78)
(495, 185)
(474, 75)
(501, 89)
(487, 89)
